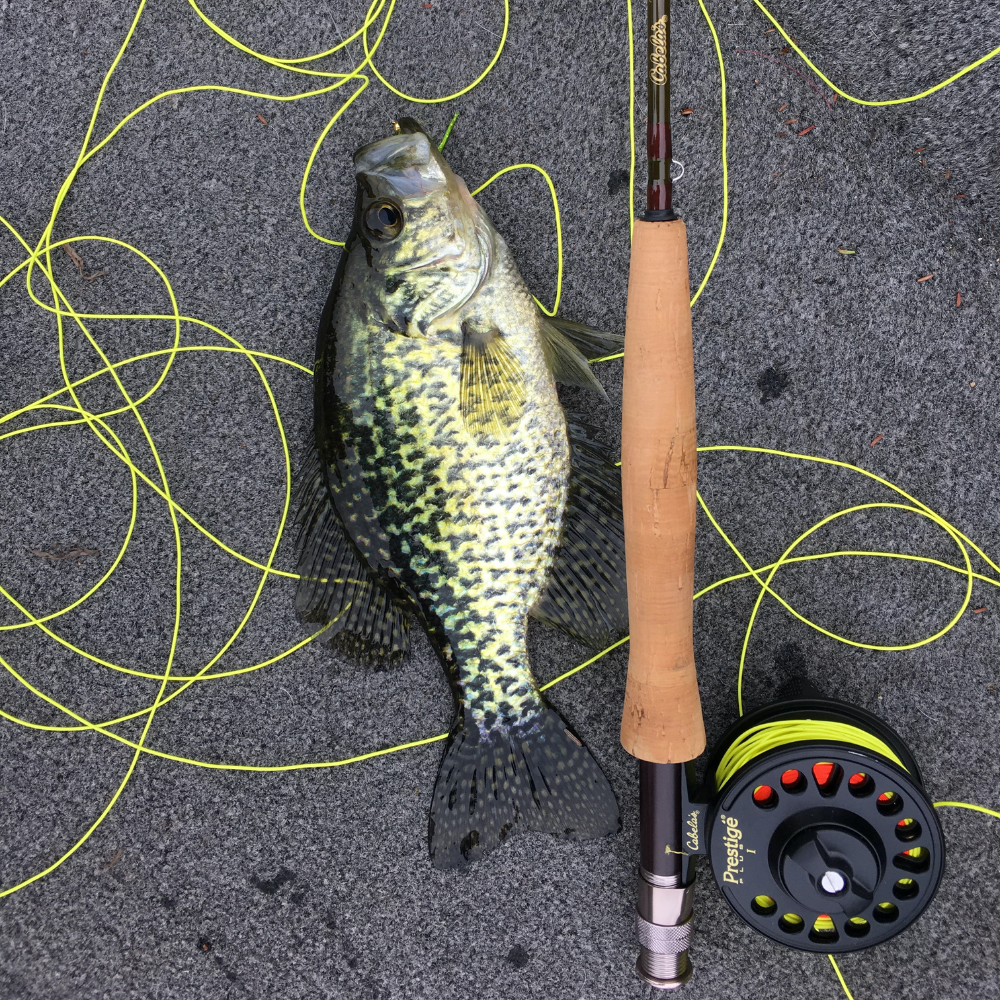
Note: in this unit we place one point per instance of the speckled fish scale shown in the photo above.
(476, 522)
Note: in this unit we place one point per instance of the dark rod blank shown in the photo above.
(660, 815)
(658, 146)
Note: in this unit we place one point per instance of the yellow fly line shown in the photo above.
(62, 408)
(768, 736)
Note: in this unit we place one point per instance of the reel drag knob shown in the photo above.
(832, 866)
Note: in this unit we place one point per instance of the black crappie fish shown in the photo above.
(448, 484)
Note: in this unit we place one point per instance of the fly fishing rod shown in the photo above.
(661, 721)
(811, 811)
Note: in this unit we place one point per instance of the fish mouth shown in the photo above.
(401, 166)
(408, 167)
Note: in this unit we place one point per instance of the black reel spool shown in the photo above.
(822, 846)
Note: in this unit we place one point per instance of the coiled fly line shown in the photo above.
(62, 408)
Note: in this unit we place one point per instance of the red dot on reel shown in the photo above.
(765, 796)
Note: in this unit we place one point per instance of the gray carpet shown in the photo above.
(317, 883)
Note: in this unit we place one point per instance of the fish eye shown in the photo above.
(384, 220)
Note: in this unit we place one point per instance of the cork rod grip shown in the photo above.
(661, 720)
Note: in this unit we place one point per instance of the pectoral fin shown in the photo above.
(492, 385)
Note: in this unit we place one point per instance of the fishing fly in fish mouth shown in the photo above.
(447, 483)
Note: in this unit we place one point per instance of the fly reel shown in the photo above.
(818, 829)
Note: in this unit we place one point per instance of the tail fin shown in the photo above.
(537, 774)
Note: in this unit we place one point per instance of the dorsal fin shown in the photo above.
(585, 595)
(566, 360)
(371, 616)
(591, 343)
